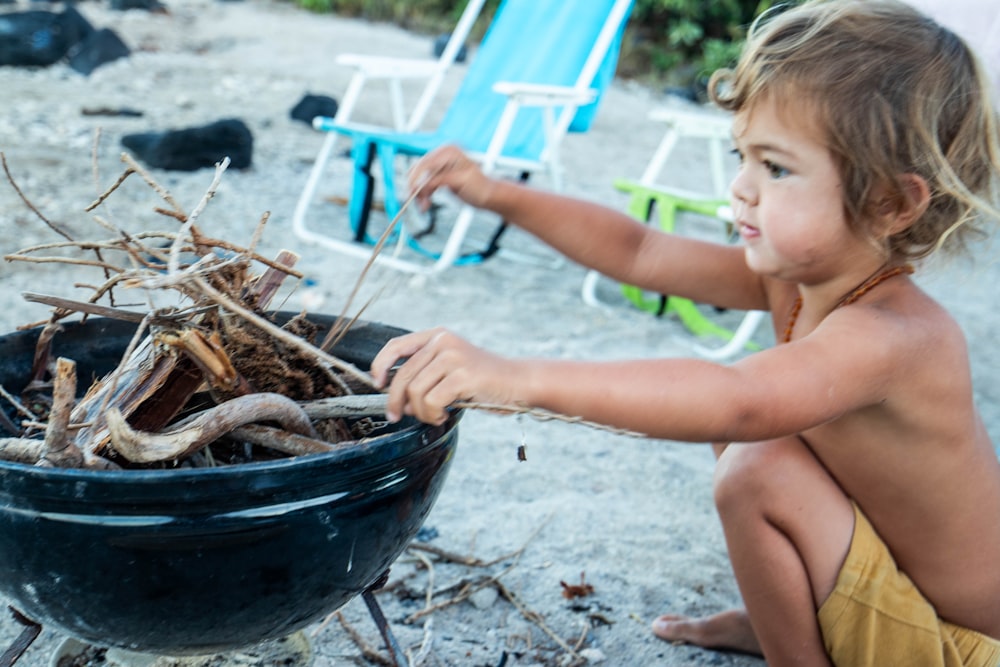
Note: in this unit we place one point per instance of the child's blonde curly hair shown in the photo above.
(895, 93)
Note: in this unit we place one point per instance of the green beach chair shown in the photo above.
(648, 196)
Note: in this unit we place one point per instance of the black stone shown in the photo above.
(154, 6)
(194, 148)
(100, 47)
(38, 38)
(442, 41)
(311, 106)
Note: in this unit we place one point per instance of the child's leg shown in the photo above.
(788, 527)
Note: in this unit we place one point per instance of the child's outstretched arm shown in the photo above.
(596, 236)
(774, 393)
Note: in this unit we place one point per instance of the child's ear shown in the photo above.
(898, 212)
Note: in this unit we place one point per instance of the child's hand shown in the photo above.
(448, 167)
(439, 369)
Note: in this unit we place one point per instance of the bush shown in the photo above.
(677, 42)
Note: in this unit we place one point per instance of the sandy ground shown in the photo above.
(633, 516)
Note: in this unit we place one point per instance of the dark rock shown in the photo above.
(311, 106)
(154, 6)
(441, 42)
(194, 148)
(100, 47)
(74, 25)
(37, 38)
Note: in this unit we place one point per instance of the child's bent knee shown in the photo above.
(749, 473)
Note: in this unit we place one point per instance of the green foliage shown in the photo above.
(684, 41)
(680, 42)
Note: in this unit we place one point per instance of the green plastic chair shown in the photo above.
(648, 196)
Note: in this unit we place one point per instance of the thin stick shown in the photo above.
(429, 591)
(367, 652)
(425, 645)
(17, 404)
(445, 555)
(188, 228)
(470, 588)
(83, 307)
(335, 333)
(27, 202)
(101, 198)
(62, 260)
(23, 640)
(159, 189)
(537, 619)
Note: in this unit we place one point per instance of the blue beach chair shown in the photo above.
(539, 73)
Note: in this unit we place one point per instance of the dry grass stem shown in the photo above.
(337, 330)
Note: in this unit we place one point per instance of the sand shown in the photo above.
(633, 517)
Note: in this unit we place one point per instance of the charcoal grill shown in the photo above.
(206, 560)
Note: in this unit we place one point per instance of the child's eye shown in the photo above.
(738, 153)
(775, 170)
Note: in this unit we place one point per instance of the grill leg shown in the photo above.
(395, 651)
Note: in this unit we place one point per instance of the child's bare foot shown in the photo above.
(727, 630)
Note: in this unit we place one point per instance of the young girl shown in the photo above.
(861, 506)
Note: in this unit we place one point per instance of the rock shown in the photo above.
(593, 655)
(154, 6)
(75, 26)
(442, 41)
(194, 148)
(38, 38)
(311, 106)
(484, 597)
(100, 47)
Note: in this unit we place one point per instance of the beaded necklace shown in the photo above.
(849, 298)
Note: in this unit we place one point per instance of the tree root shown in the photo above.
(206, 427)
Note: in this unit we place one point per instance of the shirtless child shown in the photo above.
(868, 140)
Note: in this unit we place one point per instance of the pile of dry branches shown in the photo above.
(202, 376)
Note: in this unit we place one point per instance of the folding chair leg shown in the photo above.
(741, 338)
(362, 190)
(309, 191)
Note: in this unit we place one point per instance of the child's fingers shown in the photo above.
(419, 389)
(422, 177)
(412, 379)
(396, 349)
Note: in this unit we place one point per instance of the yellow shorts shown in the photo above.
(876, 616)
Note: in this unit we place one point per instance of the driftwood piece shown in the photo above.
(352, 405)
(172, 378)
(21, 450)
(206, 427)
(271, 280)
(285, 442)
(60, 451)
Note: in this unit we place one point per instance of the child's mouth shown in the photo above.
(748, 232)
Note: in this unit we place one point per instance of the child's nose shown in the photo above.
(743, 193)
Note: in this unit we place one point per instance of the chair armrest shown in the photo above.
(386, 67)
(695, 123)
(541, 95)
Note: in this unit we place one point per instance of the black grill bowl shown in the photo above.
(211, 559)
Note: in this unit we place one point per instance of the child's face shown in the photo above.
(787, 197)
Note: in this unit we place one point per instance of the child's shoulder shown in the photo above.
(906, 321)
